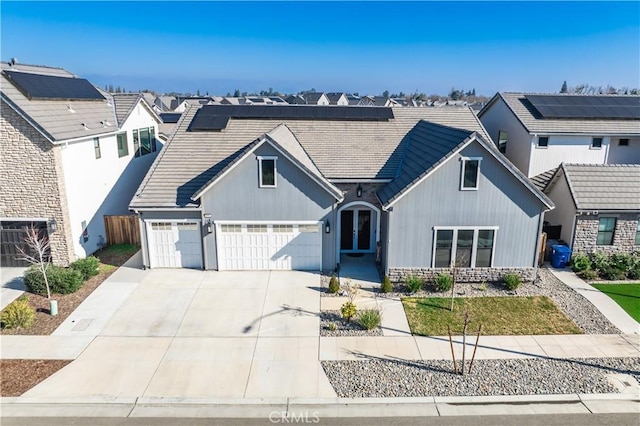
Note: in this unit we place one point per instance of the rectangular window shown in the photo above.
(596, 143)
(624, 142)
(123, 145)
(307, 228)
(188, 226)
(638, 233)
(283, 228)
(161, 226)
(543, 141)
(230, 228)
(136, 143)
(144, 141)
(444, 247)
(470, 173)
(96, 147)
(267, 166)
(484, 248)
(502, 141)
(606, 226)
(464, 248)
(257, 228)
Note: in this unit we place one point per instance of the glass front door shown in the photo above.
(355, 231)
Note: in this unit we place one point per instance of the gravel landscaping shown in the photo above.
(398, 378)
(343, 328)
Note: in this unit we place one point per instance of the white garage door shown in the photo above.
(175, 244)
(269, 246)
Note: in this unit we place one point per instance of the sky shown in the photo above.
(364, 47)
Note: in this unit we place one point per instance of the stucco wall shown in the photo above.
(32, 181)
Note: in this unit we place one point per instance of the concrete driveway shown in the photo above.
(184, 333)
(11, 284)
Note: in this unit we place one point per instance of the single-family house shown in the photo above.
(538, 132)
(337, 98)
(295, 100)
(355, 100)
(315, 98)
(300, 187)
(69, 154)
(597, 206)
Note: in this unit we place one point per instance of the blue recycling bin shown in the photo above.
(560, 255)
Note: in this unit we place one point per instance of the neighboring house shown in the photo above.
(295, 100)
(69, 154)
(538, 132)
(598, 206)
(165, 103)
(382, 101)
(299, 187)
(355, 100)
(337, 98)
(169, 120)
(315, 98)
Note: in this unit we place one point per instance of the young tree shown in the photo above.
(564, 88)
(385, 93)
(37, 253)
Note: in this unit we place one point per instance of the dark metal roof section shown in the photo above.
(170, 117)
(586, 106)
(38, 86)
(216, 117)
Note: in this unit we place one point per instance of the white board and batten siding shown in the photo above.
(174, 244)
(269, 245)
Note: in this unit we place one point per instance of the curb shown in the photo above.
(319, 407)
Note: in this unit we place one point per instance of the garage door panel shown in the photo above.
(175, 244)
(272, 246)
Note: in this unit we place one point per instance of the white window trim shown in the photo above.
(601, 142)
(454, 245)
(275, 171)
(464, 160)
(538, 146)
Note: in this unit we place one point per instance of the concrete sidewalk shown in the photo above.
(11, 284)
(601, 301)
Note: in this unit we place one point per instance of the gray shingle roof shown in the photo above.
(603, 186)
(334, 97)
(542, 180)
(59, 119)
(313, 97)
(534, 123)
(339, 149)
(426, 145)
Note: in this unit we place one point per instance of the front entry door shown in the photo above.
(355, 231)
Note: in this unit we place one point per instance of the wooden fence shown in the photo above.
(122, 229)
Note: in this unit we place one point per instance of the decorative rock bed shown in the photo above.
(343, 328)
(397, 378)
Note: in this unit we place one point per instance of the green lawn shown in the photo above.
(625, 295)
(498, 316)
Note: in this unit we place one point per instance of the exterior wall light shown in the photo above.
(359, 191)
(53, 226)
(208, 225)
(327, 227)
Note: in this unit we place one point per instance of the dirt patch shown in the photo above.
(19, 375)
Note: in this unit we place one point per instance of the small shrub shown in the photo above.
(332, 326)
(348, 310)
(88, 267)
(634, 272)
(369, 318)
(588, 275)
(34, 280)
(580, 262)
(483, 286)
(511, 281)
(443, 282)
(386, 286)
(414, 283)
(19, 314)
(614, 274)
(334, 285)
(599, 261)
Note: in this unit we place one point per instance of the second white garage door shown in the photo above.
(246, 246)
(175, 244)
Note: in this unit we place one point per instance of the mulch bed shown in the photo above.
(19, 375)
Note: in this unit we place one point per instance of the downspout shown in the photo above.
(537, 248)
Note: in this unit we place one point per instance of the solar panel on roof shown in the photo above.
(170, 117)
(38, 86)
(216, 117)
(586, 106)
